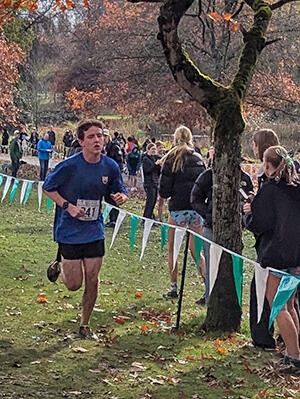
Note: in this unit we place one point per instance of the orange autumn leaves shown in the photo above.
(32, 5)
(10, 57)
(227, 17)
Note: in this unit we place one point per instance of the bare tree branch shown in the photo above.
(281, 3)
(254, 42)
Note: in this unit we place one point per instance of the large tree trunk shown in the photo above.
(224, 312)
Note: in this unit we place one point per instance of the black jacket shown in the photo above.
(114, 152)
(275, 220)
(151, 170)
(51, 135)
(201, 196)
(5, 138)
(178, 186)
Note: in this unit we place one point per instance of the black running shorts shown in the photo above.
(93, 249)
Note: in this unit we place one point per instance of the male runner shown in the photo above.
(77, 185)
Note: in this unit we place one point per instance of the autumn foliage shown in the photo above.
(10, 56)
(125, 69)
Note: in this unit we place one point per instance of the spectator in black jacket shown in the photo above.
(5, 138)
(67, 140)
(274, 218)
(34, 139)
(201, 200)
(262, 335)
(181, 166)
(151, 172)
(113, 151)
(51, 135)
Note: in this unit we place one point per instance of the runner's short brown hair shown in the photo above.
(85, 125)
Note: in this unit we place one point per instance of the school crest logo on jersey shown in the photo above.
(104, 179)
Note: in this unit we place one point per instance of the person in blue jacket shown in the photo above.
(44, 149)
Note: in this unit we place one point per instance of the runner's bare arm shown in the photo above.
(73, 210)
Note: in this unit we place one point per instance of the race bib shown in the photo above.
(91, 209)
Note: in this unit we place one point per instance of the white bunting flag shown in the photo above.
(178, 238)
(23, 191)
(215, 254)
(40, 193)
(6, 187)
(119, 221)
(147, 228)
(261, 277)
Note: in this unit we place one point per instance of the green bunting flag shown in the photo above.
(106, 212)
(14, 190)
(163, 235)
(134, 220)
(287, 286)
(1, 180)
(28, 191)
(198, 248)
(49, 203)
(237, 266)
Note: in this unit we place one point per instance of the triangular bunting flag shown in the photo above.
(237, 266)
(106, 212)
(286, 287)
(261, 276)
(163, 235)
(40, 193)
(1, 180)
(119, 221)
(178, 238)
(49, 203)
(6, 187)
(147, 228)
(134, 221)
(214, 260)
(23, 190)
(28, 191)
(14, 190)
(198, 248)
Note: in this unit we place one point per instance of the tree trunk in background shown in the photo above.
(224, 312)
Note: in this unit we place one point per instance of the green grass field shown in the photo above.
(41, 356)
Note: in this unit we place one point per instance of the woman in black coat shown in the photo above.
(151, 171)
(181, 167)
(274, 218)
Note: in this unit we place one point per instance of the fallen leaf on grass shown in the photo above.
(79, 349)
(120, 319)
(159, 381)
(138, 294)
(174, 380)
(219, 342)
(107, 382)
(221, 350)
(263, 393)
(35, 362)
(95, 371)
(68, 306)
(42, 299)
(75, 393)
(193, 316)
(139, 366)
(144, 328)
